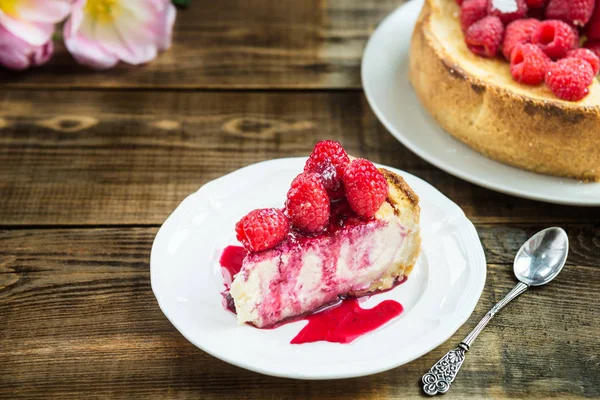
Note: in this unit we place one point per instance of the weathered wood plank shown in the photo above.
(76, 251)
(240, 44)
(82, 329)
(89, 157)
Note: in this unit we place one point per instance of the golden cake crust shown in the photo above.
(477, 101)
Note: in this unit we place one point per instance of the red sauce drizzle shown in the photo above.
(341, 323)
(231, 263)
(347, 321)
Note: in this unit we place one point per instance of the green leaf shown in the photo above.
(182, 3)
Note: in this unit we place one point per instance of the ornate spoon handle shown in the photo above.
(442, 374)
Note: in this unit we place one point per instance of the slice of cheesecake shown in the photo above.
(353, 257)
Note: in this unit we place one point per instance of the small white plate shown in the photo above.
(438, 296)
(394, 102)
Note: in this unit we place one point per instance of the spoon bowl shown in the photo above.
(542, 257)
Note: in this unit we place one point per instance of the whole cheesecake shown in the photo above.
(477, 101)
(353, 257)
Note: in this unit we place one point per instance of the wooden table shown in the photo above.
(92, 163)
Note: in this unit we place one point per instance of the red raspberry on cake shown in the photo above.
(484, 36)
(472, 11)
(518, 32)
(459, 2)
(507, 10)
(587, 55)
(575, 36)
(575, 12)
(592, 29)
(569, 78)
(366, 187)
(307, 203)
(329, 159)
(554, 37)
(262, 229)
(528, 64)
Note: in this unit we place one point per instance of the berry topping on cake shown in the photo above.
(553, 26)
(587, 55)
(554, 37)
(262, 229)
(329, 159)
(574, 12)
(484, 36)
(569, 78)
(528, 64)
(308, 203)
(472, 11)
(507, 10)
(518, 32)
(366, 187)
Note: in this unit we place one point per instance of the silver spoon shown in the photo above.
(537, 262)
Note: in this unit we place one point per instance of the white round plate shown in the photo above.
(438, 296)
(394, 102)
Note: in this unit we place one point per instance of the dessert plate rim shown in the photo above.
(385, 83)
(166, 266)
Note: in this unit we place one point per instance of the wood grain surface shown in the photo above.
(130, 157)
(92, 163)
(240, 44)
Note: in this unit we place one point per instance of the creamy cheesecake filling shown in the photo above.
(302, 275)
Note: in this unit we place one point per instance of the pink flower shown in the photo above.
(33, 20)
(26, 28)
(99, 33)
(15, 53)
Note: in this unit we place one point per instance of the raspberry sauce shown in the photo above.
(231, 263)
(347, 321)
(341, 323)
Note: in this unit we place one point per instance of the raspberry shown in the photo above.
(472, 11)
(484, 36)
(575, 12)
(593, 46)
(366, 187)
(329, 159)
(575, 36)
(569, 78)
(528, 64)
(554, 37)
(307, 203)
(262, 229)
(536, 3)
(587, 55)
(518, 32)
(592, 29)
(459, 2)
(508, 16)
